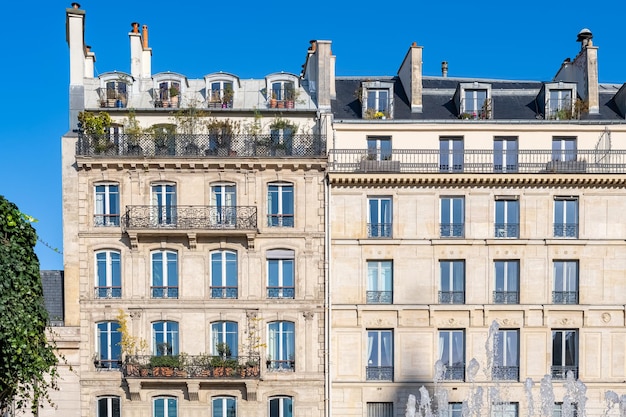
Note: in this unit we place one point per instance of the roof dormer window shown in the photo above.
(377, 100)
(282, 90)
(115, 90)
(559, 101)
(221, 90)
(474, 101)
(168, 89)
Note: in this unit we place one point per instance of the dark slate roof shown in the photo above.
(52, 282)
(511, 100)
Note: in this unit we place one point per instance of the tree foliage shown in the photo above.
(27, 359)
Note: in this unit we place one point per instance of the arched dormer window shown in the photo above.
(282, 90)
(221, 88)
(168, 89)
(115, 88)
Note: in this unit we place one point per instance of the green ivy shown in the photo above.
(27, 359)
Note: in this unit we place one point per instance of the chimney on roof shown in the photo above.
(588, 56)
(79, 63)
(410, 74)
(444, 69)
(139, 58)
(319, 71)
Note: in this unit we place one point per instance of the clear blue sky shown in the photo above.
(487, 39)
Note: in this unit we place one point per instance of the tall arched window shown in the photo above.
(109, 352)
(224, 274)
(164, 274)
(281, 346)
(108, 274)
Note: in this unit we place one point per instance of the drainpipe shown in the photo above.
(327, 295)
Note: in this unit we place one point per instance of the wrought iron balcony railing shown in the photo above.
(565, 297)
(505, 373)
(164, 292)
(379, 230)
(201, 145)
(224, 292)
(506, 230)
(452, 230)
(454, 373)
(379, 373)
(280, 220)
(485, 161)
(280, 365)
(506, 297)
(108, 292)
(186, 366)
(107, 220)
(281, 292)
(379, 297)
(566, 230)
(560, 372)
(191, 217)
(451, 297)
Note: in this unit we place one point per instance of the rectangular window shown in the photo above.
(165, 338)
(451, 154)
(566, 217)
(452, 283)
(559, 104)
(452, 354)
(164, 274)
(379, 355)
(452, 217)
(281, 407)
(378, 100)
(224, 205)
(107, 205)
(565, 282)
(163, 205)
(280, 209)
(564, 353)
(165, 407)
(507, 282)
(224, 335)
(475, 104)
(379, 148)
(280, 274)
(379, 282)
(224, 407)
(380, 410)
(281, 347)
(507, 218)
(564, 149)
(505, 154)
(109, 350)
(108, 275)
(504, 410)
(109, 407)
(454, 410)
(506, 355)
(565, 409)
(224, 275)
(380, 217)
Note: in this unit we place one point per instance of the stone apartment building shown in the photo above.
(316, 245)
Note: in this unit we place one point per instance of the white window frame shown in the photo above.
(508, 226)
(110, 213)
(562, 281)
(550, 111)
(222, 256)
(283, 402)
(167, 412)
(163, 213)
(282, 219)
(225, 400)
(117, 78)
(368, 109)
(168, 333)
(383, 220)
(109, 278)
(561, 210)
(220, 334)
(110, 411)
(484, 111)
(506, 278)
(380, 281)
(447, 338)
(112, 346)
(165, 264)
(281, 257)
(281, 354)
(450, 223)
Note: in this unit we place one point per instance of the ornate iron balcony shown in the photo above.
(505, 373)
(565, 297)
(170, 145)
(451, 297)
(287, 365)
(506, 297)
(280, 292)
(506, 230)
(224, 292)
(560, 372)
(452, 230)
(379, 297)
(565, 230)
(191, 217)
(380, 230)
(379, 373)
(108, 292)
(186, 366)
(454, 373)
(164, 292)
(107, 220)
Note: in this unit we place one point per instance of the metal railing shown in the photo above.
(281, 292)
(451, 297)
(281, 365)
(560, 371)
(505, 373)
(164, 292)
(191, 217)
(280, 220)
(224, 292)
(565, 230)
(454, 373)
(379, 373)
(201, 145)
(187, 366)
(379, 230)
(506, 230)
(524, 161)
(506, 297)
(379, 297)
(452, 230)
(565, 297)
(106, 220)
(108, 292)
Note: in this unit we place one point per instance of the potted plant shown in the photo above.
(95, 127)
(227, 100)
(133, 131)
(273, 101)
(291, 95)
(174, 92)
(164, 365)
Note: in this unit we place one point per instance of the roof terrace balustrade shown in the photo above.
(480, 161)
(164, 145)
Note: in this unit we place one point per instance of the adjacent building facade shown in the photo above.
(313, 245)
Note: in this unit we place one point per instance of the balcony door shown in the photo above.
(223, 204)
(163, 204)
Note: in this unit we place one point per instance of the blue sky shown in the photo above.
(486, 39)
